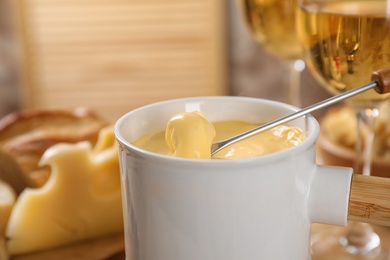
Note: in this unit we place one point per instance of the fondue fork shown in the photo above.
(380, 82)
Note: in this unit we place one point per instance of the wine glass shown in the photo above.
(344, 41)
(272, 23)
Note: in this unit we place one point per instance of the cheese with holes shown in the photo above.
(81, 200)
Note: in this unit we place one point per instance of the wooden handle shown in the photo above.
(382, 78)
(370, 200)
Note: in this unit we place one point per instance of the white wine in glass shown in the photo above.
(347, 41)
(272, 23)
(344, 42)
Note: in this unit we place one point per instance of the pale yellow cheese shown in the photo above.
(81, 200)
(190, 135)
(106, 139)
(276, 139)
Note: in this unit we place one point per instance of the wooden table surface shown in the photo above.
(332, 232)
(320, 230)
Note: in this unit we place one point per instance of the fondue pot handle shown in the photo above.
(369, 200)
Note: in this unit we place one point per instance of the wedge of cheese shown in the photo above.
(80, 201)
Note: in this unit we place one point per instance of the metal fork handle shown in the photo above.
(327, 102)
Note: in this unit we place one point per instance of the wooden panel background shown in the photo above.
(116, 55)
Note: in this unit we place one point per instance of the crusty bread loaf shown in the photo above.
(25, 135)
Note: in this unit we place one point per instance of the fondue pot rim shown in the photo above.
(312, 132)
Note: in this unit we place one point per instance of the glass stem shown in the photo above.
(366, 118)
(360, 238)
(292, 74)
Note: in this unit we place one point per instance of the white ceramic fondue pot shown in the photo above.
(243, 209)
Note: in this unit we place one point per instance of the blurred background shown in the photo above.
(115, 55)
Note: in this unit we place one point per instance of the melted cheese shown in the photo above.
(190, 135)
(276, 139)
(81, 200)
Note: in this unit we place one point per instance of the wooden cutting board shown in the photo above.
(106, 248)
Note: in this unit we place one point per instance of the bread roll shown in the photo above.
(25, 135)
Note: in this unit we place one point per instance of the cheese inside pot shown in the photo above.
(81, 200)
(190, 135)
